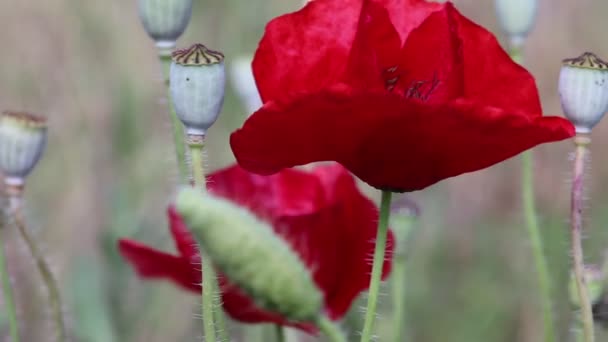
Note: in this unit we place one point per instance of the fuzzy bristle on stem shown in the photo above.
(576, 226)
(46, 274)
(213, 318)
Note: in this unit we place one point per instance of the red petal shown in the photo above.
(386, 141)
(292, 192)
(184, 241)
(153, 264)
(467, 61)
(306, 50)
(406, 15)
(375, 52)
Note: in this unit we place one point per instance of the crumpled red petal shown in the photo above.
(154, 264)
(413, 145)
(308, 50)
(321, 214)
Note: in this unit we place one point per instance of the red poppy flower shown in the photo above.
(403, 93)
(321, 214)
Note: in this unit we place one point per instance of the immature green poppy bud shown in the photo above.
(593, 279)
(197, 82)
(583, 90)
(22, 141)
(165, 20)
(251, 255)
(516, 18)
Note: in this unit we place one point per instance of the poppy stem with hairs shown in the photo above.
(211, 304)
(531, 218)
(333, 333)
(7, 288)
(176, 125)
(576, 226)
(43, 267)
(379, 252)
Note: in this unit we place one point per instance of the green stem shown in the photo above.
(7, 288)
(207, 304)
(576, 227)
(377, 266)
(398, 297)
(47, 277)
(333, 333)
(177, 127)
(540, 262)
(279, 333)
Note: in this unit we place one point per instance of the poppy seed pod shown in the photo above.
(251, 255)
(165, 20)
(583, 90)
(22, 141)
(516, 17)
(197, 82)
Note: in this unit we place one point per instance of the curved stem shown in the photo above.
(333, 333)
(45, 273)
(7, 288)
(576, 226)
(379, 252)
(540, 262)
(176, 125)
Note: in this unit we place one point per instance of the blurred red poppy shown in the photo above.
(321, 214)
(402, 93)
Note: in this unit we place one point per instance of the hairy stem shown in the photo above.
(46, 274)
(576, 226)
(540, 262)
(213, 316)
(176, 125)
(7, 288)
(379, 252)
(333, 333)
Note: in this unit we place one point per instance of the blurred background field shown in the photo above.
(109, 172)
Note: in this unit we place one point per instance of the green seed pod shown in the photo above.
(583, 90)
(165, 20)
(22, 141)
(516, 18)
(197, 81)
(594, 281)
(252, 256)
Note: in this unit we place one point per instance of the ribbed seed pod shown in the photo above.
(583, 90)
(22, 141)
(198, 82)
(251, 255)
(165, 20)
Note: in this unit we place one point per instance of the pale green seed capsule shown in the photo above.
(583, 90)
(22, 140)
(252, 256)
(516, 18)
(165, 20)
(198, 82)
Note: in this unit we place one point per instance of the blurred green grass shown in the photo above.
(108, 172)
